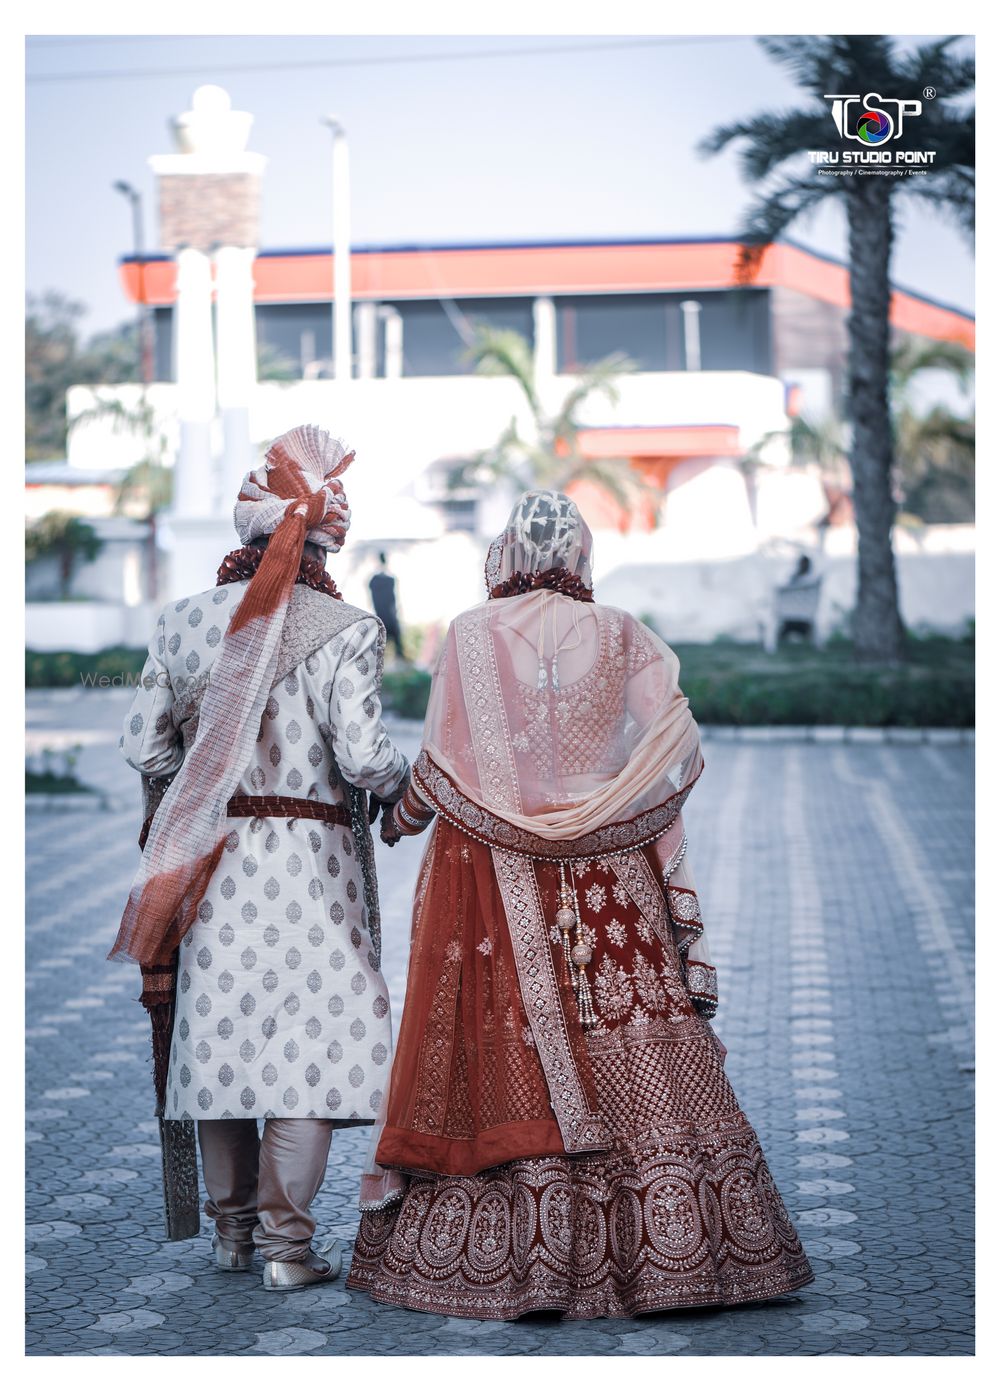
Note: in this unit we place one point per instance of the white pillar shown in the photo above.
(545, 338)
(195, 377)
(393, 340)
(236, 353)
(366, 329)
(691, 310)
(341, 257)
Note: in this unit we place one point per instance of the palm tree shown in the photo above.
(147, 486)
(65, 537)
(935, 449)
(550, 456)
(773, 146)
(819, 440)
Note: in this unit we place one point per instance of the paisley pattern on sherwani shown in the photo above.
(281, 1006)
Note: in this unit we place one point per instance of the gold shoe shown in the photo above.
(314, 1270)
(232, 1255)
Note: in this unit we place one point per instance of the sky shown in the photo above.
(444, 147)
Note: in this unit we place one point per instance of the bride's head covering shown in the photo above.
(294, 497)
(545, 531)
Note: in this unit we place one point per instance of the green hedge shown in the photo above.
(119, 666)
(734, 683)
(405, 692)
(731, 683)
(854, 698)
(53, 783)
(727, 683)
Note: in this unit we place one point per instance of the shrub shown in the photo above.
(405, 692)
(122, 665)
(726, 682)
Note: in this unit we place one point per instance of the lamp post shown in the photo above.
(145, 325)
(341, 251)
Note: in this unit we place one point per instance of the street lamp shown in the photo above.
(145, 323)
(341, 251)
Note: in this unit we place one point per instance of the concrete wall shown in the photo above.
(696, 601)
(401, 426)
(688, 600)
(87, 627)
(117, 575)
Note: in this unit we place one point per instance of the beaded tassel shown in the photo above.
(580, 956)
(565, 920)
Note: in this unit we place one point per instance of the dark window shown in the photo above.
(289, 336)
(644, 327)
(163, 344)
(297, 334)
(735, 333)
(649, 329)
(436, 338)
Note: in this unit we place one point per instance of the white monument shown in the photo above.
(209, 199)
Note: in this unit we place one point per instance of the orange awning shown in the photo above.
(602, 268)
(659, 441)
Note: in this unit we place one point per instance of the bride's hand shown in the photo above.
(389, 832)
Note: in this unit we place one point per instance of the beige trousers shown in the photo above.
(261, 1186)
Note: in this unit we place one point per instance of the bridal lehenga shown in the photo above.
(559, 1132)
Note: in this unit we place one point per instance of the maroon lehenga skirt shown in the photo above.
(678, 1209)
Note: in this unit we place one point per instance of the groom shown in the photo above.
(255, 912)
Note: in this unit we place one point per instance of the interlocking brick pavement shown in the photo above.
(836, 882)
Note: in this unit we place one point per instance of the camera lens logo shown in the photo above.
(873, 127)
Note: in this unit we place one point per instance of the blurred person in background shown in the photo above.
(797, 602)
(382, 586)
(254, 916)
(802, 574)
(559, 1132)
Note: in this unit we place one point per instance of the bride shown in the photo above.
(559, 1132)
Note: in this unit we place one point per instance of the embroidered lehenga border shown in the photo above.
(642, 1185)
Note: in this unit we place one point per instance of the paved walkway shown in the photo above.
(837, 885)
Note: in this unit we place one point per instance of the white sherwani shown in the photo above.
(282, 1009)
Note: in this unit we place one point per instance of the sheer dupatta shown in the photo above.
(557, 729)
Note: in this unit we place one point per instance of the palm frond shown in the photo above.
(502, 352)
(915, 355)
(600, 378)
(616, 478)
(801, 55)
(823, 63)
(772, 214)
(952, 195)
(934, 65)
(771, 138)
(148, 482)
